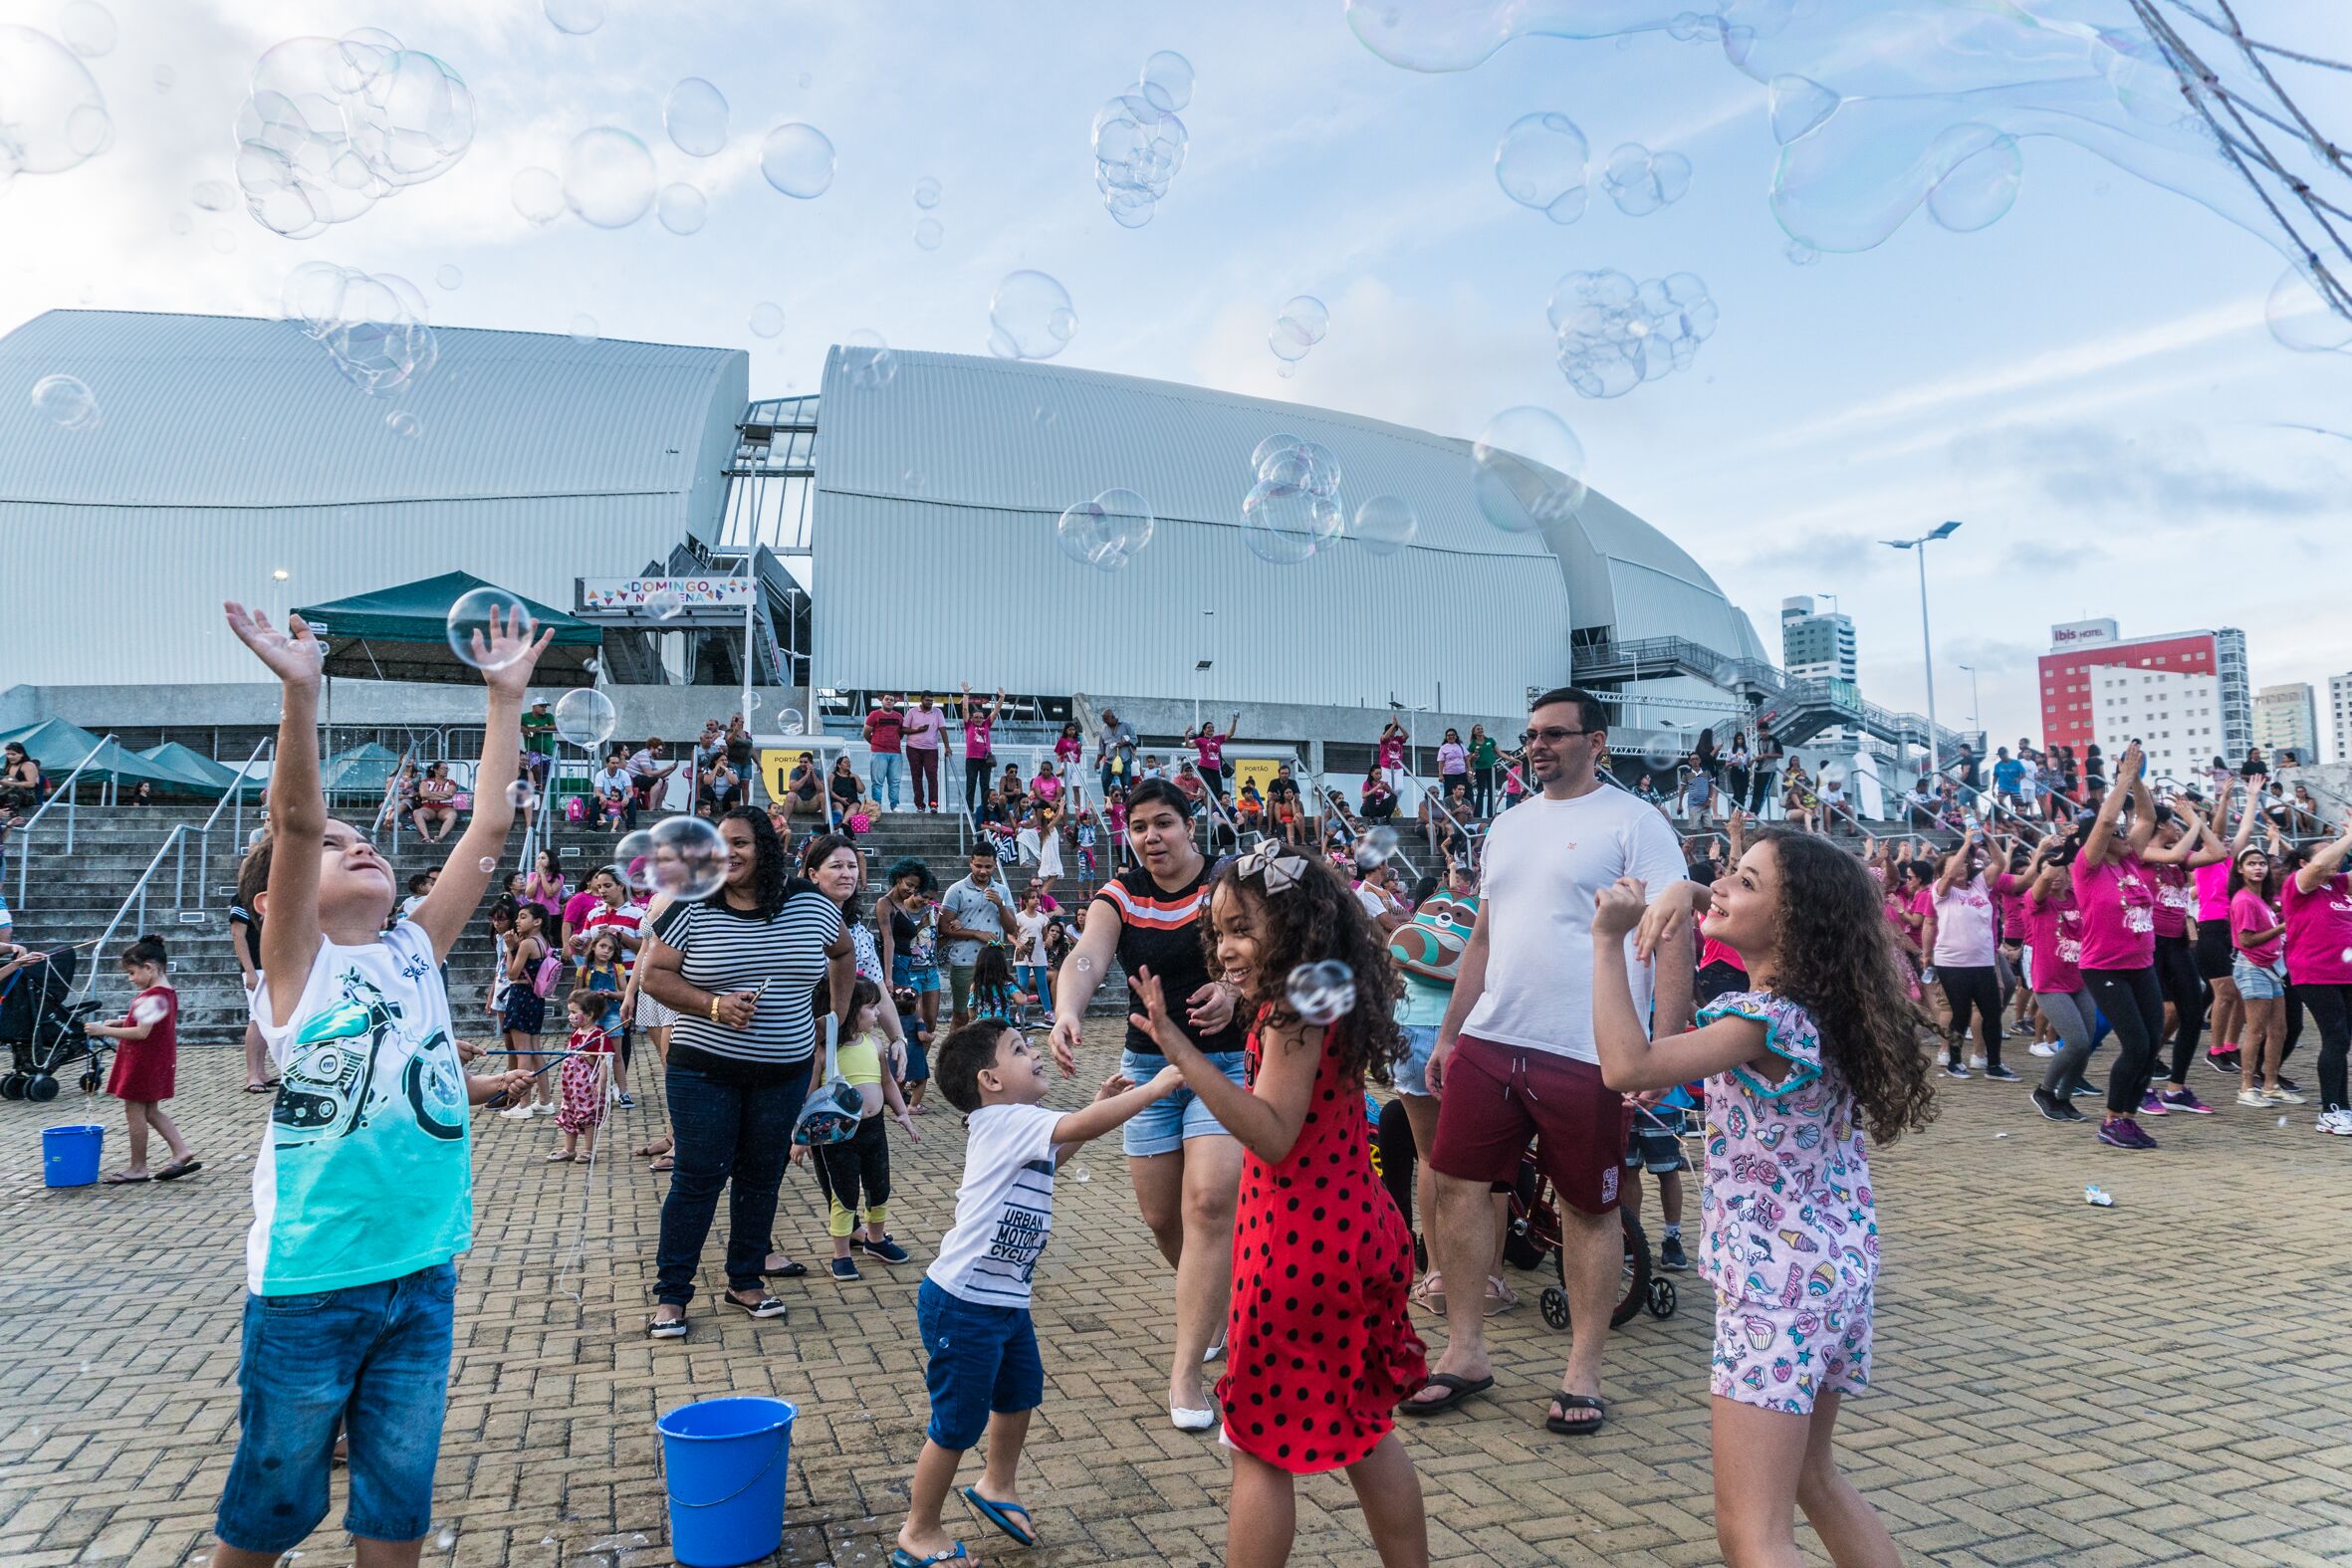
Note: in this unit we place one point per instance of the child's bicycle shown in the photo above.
(1535, 1232)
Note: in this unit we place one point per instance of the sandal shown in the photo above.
(1458, 1389)
(270, 1088)
(900, 1557)
(1576, 1429)
(559, 1157)
(665, 1163)
(654, 1146)
(179, 1168)
(1500, 1296)
(997, 1513)
(789, 1269)
(125, 1179)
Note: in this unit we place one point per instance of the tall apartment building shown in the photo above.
(2176, 718)
(2286, 719)
(1818, 646)
(2079, 649)
(2339, 709)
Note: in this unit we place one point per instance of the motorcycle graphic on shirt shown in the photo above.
(358, 1059)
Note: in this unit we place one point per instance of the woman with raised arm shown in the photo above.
(2316, 904)
(2181, 848)
(2118, 903)
(979, 755)
(2215, 953)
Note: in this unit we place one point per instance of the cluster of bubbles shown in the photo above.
(1321, 993)
(584, 718)
(1292, 508)
(66, 401)
(1140, 143)
(1640, 181)
(52, 115)
(1615, 334)
(1375, 847)
(683, 856)
(797, 159)
(1539, 163)
(1030, 316)
(868, 360)
(374, 325)
(928, 233)
(1300, 324)
(1526, 469)
(333, 125)
(479, 619)
(1107, 531)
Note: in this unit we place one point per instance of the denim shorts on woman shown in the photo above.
(374, 1357)
(1163, 1126)
(907, 977)
(1412, 1071)
(2258, 982)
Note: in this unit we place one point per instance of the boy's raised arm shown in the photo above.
(298, 807)
(509, 653)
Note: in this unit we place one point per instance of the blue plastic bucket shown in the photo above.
(69, 1155)
(726, 1461)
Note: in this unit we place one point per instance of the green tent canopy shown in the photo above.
(402, 634)
(202, 773)
(59, 748)
(364, 770)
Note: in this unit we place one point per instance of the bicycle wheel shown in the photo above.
(1634, 1277)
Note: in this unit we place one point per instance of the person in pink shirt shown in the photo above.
(1210, 747)
(1392, 753)
(2054, 933)
(2179, 830)
(1963, 955)
(2118, 901)
(922, 731)
(979, 719)
(2255, 931)
(2215, 953)
(1069, 750)
(2317, 908)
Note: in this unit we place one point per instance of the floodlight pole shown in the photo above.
(1927, 647)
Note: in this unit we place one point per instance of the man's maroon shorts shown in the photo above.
(1497, 1098)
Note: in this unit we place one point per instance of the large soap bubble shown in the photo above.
(1981, 171)
(1526, 469)
(52, 115)
(767, 318)
(332, 126)
(608, 177)
(1640, 181)
(1167, 81)
(1283, 524)
(2299, 318)
(1030, 316)
(1300, 324)
(374, 325)
(696, 115)
(797, 159)
(681, 209)
(1386, 525)
(868, 360)
(1140, 143)
(574, 16)
(684, 857)
(1321, 993)
(585, 718)
(88, 27)
(479, 617)
(1615, 334)
(66, 400)
(1107, 531)
(538, 194)
(1539, 163)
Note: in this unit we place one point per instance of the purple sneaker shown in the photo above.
(2150, 1105)
(2185, 1099)
(2122, 1132)
(2140, 1137)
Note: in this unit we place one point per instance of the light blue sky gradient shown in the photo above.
(2088, 382)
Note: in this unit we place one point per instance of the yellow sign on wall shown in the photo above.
(776, 766)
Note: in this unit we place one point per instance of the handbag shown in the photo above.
(831, 1113)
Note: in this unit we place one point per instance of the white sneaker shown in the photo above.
(2041, 1048)
(2254, 1098)
(1977, 1060)
(2337, 1122)
(543, 1108)
(515, 1113)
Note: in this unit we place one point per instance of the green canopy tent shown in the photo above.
(361, 772)
(59, 748)
(200, 771)
(402, 634)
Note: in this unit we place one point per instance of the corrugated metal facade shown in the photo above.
(232, 448)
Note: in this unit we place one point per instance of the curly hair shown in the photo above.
(1315, 919)
(1837, 961)
(771, 863)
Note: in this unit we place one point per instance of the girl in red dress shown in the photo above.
(146, 1055)
(1318, 1346)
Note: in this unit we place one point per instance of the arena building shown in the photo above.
(904, 539)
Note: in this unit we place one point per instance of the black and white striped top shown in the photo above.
(722, 950)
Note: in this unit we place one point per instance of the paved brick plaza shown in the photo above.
(2160, 1382)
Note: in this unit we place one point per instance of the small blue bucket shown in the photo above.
(69, 1155)
(727, 1461)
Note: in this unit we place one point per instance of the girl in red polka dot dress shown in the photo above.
(1318, 1346)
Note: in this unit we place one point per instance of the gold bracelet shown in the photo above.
(714, 1009)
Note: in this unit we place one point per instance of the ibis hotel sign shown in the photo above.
(2081, 634)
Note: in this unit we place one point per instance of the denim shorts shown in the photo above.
(1163, 1126)
(1656, 1146)
(1412, 1069)
(2257, 982)
(984, 1359)
(918, 981)
(374, 1357)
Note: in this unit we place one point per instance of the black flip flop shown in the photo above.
(789, 1269)
(177, 1169)
(1457, 1390)
(1576, 1429)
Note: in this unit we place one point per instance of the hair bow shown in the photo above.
(1270, 865)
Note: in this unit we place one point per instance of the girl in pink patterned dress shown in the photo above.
(1797, 1068)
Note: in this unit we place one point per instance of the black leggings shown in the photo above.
(977, 774)
(854, 1176)
(2134, 1006)
(2331, 1013)
(2176, 977)
(1398, 1157)
(1966, 987)
(1481, 790)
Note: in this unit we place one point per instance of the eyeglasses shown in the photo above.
(1551, 736)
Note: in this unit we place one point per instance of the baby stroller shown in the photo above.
(42, 1029)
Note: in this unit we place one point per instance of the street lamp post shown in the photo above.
(1926, 644)
(1975, 722)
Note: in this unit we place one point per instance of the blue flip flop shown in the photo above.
(1000, 1515)
(900, 1557)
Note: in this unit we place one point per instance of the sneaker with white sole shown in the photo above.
(2254, 1099)
(515, 1113)
(2282, 1095)
(1976, 1060)
(2041, 1048)
(2337, 1122)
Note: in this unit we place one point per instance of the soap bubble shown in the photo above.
(681, 209)
(1166, 81)
(582, 329)
(1283, 524)
(1526, 469)
(449, 277)
(1662, 754)
(1269, 449)
(632, 860)
(373, 324)
(519, 796)
(687, 859)
(88, 29)
(1080, 1174)
(1983, 171)
(868, 360)
(2300, 315)
(1030, 316)
(146, 1010)
(1386, 525)
(1139, 145)
(66, 400)
(538, 193)
(1321, 993)
(797, 159)
(696, 115)
(788, 720)
(584, 717)
(1539, 163)
(1323, 468)
(1305, 315)
(575, 16)
(329, 127)
(767, 318)
(1377, 844)
(1615, 334)
(664, 604)
(608, 177)
(402, 424)
(1799, 254)
(488, 866)
(214, 195)
(444, 1539)
(926, 192)
(1640, 181)
(471, 628)
(1107, 531)
(928, 233)
(1798, 104)
(52, 115)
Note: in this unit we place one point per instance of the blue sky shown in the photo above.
(2087, 382)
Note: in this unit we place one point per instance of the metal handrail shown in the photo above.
(236, 794)
(139, 894)
(24, 860)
